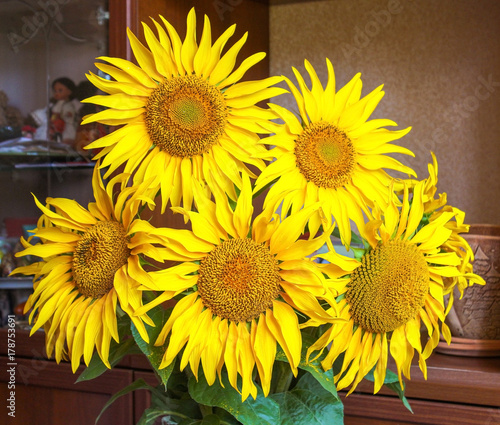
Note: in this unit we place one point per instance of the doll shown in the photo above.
(63, 111)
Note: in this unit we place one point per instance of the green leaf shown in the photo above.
(207, 420)
(117, 351)
(313, 366)
(155, 354)
(180, 408)
(210, 420)
(309, 403)
(262, 410)
(358, 253)
(150, 415)
(178, 383)
(173, 412)
(391, 381)
(161, 405)
(225, 417)
(140, 384)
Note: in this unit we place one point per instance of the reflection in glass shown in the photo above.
(40, 42)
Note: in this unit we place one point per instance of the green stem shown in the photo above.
(285, 377)
(177, 414)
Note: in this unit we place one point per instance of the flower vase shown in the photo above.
(474, 320)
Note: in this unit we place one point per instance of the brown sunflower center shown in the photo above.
(389, 287)
(100, 252)
(185, 116)
(325, 155)
(239, 279)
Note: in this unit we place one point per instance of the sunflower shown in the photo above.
(433, 208)
(89, 271)
(385, 296)
(332, 154)
(183, 111)
(431, 203)
(242, 283)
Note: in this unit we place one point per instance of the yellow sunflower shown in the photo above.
(185, 115)
(433, 208)
(242, 283)
(431, 203)
(332, 154)
(385, 297)
(90, 268)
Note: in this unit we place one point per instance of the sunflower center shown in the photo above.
(239, 280)
(388, 289)
(100, 252)
(325, 155)
(185, 116)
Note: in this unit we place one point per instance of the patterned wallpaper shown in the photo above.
(439, 61)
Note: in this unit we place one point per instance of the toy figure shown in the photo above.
(63, 111)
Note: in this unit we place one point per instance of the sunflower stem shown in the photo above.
(285, 377)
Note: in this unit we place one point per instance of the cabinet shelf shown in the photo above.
(54, 165)
(16, 283)
(42, 161)
(40, 154)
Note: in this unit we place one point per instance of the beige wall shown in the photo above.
(439, 61)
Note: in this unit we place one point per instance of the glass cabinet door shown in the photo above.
(42, 41)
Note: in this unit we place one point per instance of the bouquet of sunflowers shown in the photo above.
(264, 299)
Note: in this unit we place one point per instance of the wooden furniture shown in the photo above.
(459, 391)
(248, 15)
(46, 393)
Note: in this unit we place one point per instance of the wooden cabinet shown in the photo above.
(248, 15)
(45, 393)
(459, 391)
